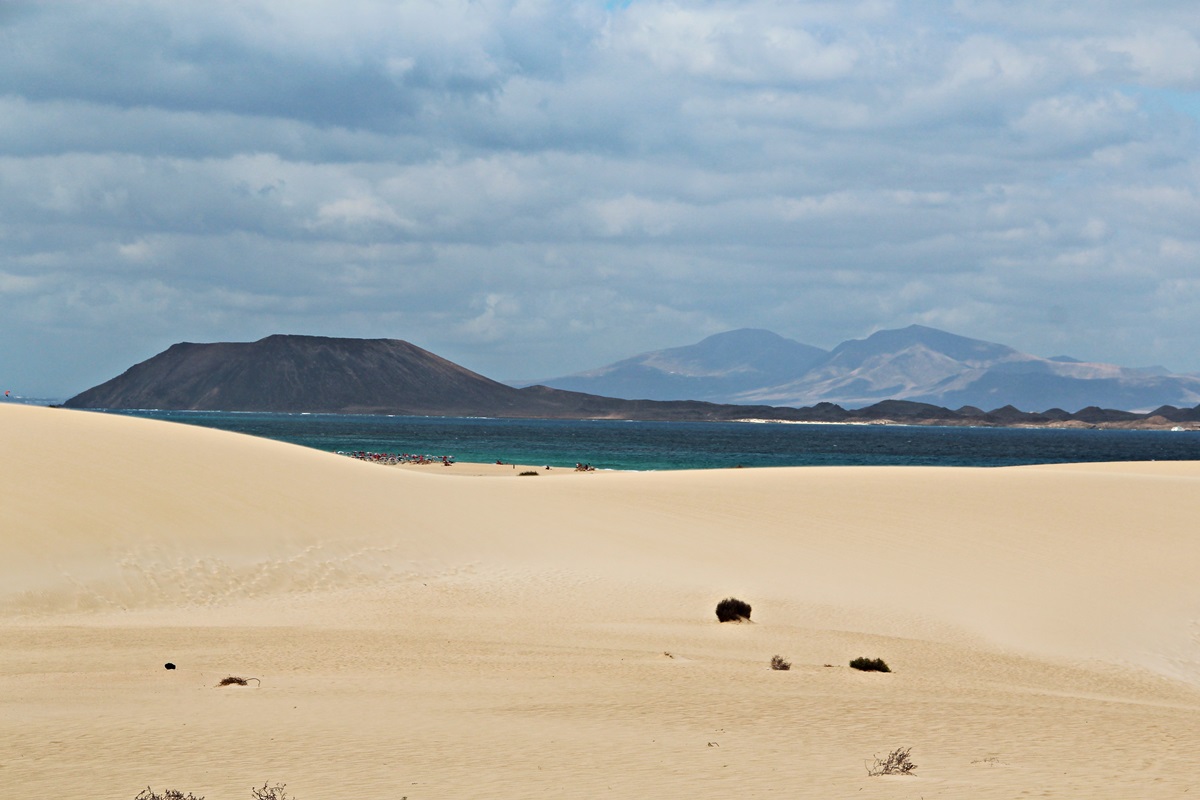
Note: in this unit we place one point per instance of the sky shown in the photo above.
(533, 188)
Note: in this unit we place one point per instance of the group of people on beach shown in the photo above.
(416, 458)
(397, 458)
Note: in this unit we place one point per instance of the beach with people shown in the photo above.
(401, 633)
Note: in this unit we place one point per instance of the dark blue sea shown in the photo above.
(622, 445)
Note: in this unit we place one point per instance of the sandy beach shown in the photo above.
(489, 635)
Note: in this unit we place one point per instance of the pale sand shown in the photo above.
(506, 470)
(474, 637)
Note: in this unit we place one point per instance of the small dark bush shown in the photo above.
(169, 794)
(870, 665)
(777, 662)
(527, 472)
(732, 610)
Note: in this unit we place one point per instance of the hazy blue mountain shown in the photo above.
(722, 366)
(931, 366)
(912, 363)
(916, 363)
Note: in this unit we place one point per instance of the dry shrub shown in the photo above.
(527, 472)
(896, 763)
(168, 794)
(777, 662)
(267, 792)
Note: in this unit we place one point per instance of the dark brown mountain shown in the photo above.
(388, 376)
(299, 373)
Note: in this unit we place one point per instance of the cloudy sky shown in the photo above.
(531, 188)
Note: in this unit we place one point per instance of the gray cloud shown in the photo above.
(532, 188)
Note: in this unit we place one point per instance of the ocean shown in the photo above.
(624, 445)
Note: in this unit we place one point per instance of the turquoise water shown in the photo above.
(611, 444)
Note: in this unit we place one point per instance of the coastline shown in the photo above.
(1147, 424)
(429, 638)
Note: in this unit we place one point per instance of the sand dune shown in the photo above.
(499, 636)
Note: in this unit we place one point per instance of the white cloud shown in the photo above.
(361, 212)
(1083, 123)
(723, 42)
(1163, 56)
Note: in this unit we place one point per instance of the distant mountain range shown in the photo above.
(388, 376)
(358, 376)
(916, 363)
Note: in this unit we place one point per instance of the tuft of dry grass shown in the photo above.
(777, 662)
(234, 680)
(897, 762)
(266, 792)
(168, 794)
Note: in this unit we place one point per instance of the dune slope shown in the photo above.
(518, 637)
